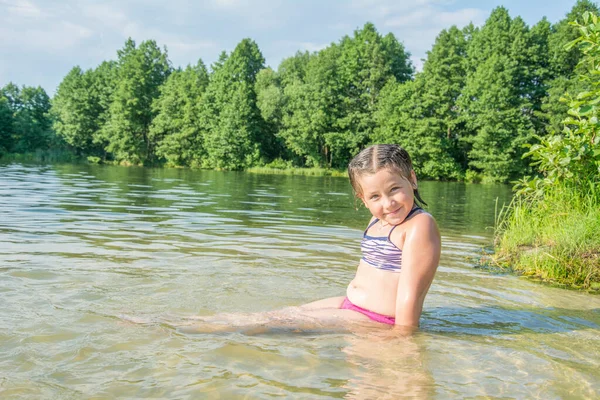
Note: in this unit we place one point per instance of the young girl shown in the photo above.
(400, 247)
(400, 254)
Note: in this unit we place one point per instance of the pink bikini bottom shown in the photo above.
(384, 319)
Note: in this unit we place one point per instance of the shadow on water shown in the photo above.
(468, 321)
(494, 320)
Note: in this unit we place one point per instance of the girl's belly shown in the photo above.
(374, 289)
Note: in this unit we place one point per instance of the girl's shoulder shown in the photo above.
(420, 225)
(421, 220)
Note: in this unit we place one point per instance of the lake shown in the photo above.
(86, 249)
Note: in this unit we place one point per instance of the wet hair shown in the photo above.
(377, 157)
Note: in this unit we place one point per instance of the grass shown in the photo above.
(297, 171)
(41, 156)
(556, 240)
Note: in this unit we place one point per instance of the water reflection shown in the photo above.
(82, 245)
(388, 366)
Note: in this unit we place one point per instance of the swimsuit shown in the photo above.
(384, 319)
(381, 253)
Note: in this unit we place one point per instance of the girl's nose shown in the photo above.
(389, 201)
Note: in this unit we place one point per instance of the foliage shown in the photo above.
(235, 135)
(140, 73)
(422, 115)
(25, 124)
(483, 96)
(329, 98)
(555, 240)
(573, 156)
(5, 125)
(551, 229)
(563, 67)
(80, 108)
(493, 105)
(176, 131)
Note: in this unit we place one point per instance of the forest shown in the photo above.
(485, 95)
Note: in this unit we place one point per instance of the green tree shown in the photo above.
(422, 115)
(563, 66)
(366, 63)
(402, 118)
(538, 73)
(564, 61)
(311, 109)
(571, 158)
(176, 130)
(31, 123)
(140, 73)
(329, 98)
(270, 102)
(293, 69)
(80, 108)
(492, 103)
(6, 125)
(235, 136)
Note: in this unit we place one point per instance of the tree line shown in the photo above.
(484, 95)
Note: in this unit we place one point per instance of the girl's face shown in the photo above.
(388, 195)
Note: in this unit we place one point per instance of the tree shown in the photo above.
(563, 67)
(270, 102)
(564, 62)
(6, 125)
(235, 136)
(492, 103)
(80, 108)
(539, 73)
(293, 69)
(30, 126)
(422, 115)
(176, 130)
(572, 157)
(328, 105)
(141, 71)
(311, 108)
(367, 61)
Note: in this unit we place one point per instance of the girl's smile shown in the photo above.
(388, 195)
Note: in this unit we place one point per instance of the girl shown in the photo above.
(400, 247)
(400, 254)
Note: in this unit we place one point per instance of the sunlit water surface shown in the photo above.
(83, 246)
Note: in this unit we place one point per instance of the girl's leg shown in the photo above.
(320, 314)
(332, 302)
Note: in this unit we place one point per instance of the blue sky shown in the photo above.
(41, 40)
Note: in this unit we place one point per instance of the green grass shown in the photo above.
(41, 156)
(297, 171)
(556, 240)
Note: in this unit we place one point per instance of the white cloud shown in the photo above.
(62, 36)
(387, 8)
(107, 15)
(43, 39)
(228, 4)
(417, 23)
(310, 46)
(24, 9)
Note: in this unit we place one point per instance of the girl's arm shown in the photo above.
(420, 258)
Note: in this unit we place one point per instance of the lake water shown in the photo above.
(83, 246)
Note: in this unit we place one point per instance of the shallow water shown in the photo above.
(83, 246)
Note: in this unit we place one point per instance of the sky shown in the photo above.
(41, 40)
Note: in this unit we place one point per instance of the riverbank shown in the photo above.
(556, 240)
(297, 171)
(42, 157)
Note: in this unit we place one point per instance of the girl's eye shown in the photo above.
(395, 188)
(374, 197)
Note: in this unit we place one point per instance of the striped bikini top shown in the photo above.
(380, 252)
